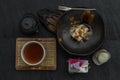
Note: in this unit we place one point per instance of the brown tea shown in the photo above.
(33, 53)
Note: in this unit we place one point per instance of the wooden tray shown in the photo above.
(50, 61)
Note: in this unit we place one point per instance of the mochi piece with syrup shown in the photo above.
(78, 66)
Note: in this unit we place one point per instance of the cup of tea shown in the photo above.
(33, 53)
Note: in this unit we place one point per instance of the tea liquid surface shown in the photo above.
(33, 53)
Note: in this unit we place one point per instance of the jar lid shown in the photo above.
(29, 24)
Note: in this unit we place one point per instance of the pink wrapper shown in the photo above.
(72, 61)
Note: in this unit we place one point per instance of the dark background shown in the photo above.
(11, 11)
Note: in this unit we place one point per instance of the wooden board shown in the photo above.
(50, 61)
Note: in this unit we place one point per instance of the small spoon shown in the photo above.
(65, 8)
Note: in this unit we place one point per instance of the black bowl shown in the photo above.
(78, 48)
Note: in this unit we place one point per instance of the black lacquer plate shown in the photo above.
(78, 48)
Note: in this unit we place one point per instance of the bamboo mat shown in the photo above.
(50, 61)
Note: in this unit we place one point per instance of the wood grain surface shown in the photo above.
(50, 60)
(11, 12)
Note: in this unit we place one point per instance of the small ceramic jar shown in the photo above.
(29, 24)
(101, 57)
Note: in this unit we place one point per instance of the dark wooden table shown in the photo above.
(11, 11)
